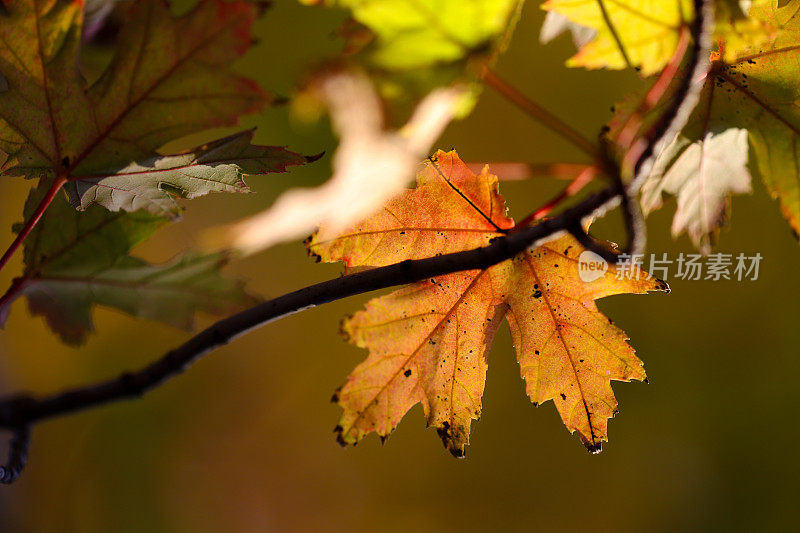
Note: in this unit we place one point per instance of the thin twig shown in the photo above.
(20, 411)
(630, 130)
(17, 455)
(520, 171)
(642, 155)
(539, 113)
(33, 220)
(574, 187)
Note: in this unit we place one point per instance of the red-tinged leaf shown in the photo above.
(78, 260)
(169, 77)
(429, 341)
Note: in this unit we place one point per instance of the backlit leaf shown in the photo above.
(169, 77)
(74, 261)
(758, 93)
(637, 33)
(427, 32)
(151, 184)
(371, 165)
(411, 48)
(645, 33)
(428, 342)
(703, 175)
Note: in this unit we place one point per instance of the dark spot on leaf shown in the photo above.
(407, 373)
(171, 188)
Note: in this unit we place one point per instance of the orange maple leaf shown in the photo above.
(428, 342)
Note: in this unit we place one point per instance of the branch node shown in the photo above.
(17, 455)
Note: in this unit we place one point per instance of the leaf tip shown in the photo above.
(594, 448)
(262, 6)
(344, 330)
(663, 286)
(339, 431)
(454, 439)
(458, 453)
(315, 157)
(308, 243)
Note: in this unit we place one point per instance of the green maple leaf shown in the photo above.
(427, 33)
(169, 77)
(76, 260)
(410, 48)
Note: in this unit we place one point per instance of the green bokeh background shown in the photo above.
(244, 442)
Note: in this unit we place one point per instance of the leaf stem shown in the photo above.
(56, 186)
(10, 295)
(633, 123)
(575, 186)
(539, 113)
(22, 411)
(642, 153)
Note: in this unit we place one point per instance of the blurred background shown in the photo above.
(244, 441)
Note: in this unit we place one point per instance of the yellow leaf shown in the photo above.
(428, 342)
(636, 33)
(645, 33)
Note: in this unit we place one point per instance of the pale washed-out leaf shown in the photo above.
(703, 175)
(370, 166)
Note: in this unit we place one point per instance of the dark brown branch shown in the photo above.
(672, 120)
(20, 412)
(17, 455)
(683, 100)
